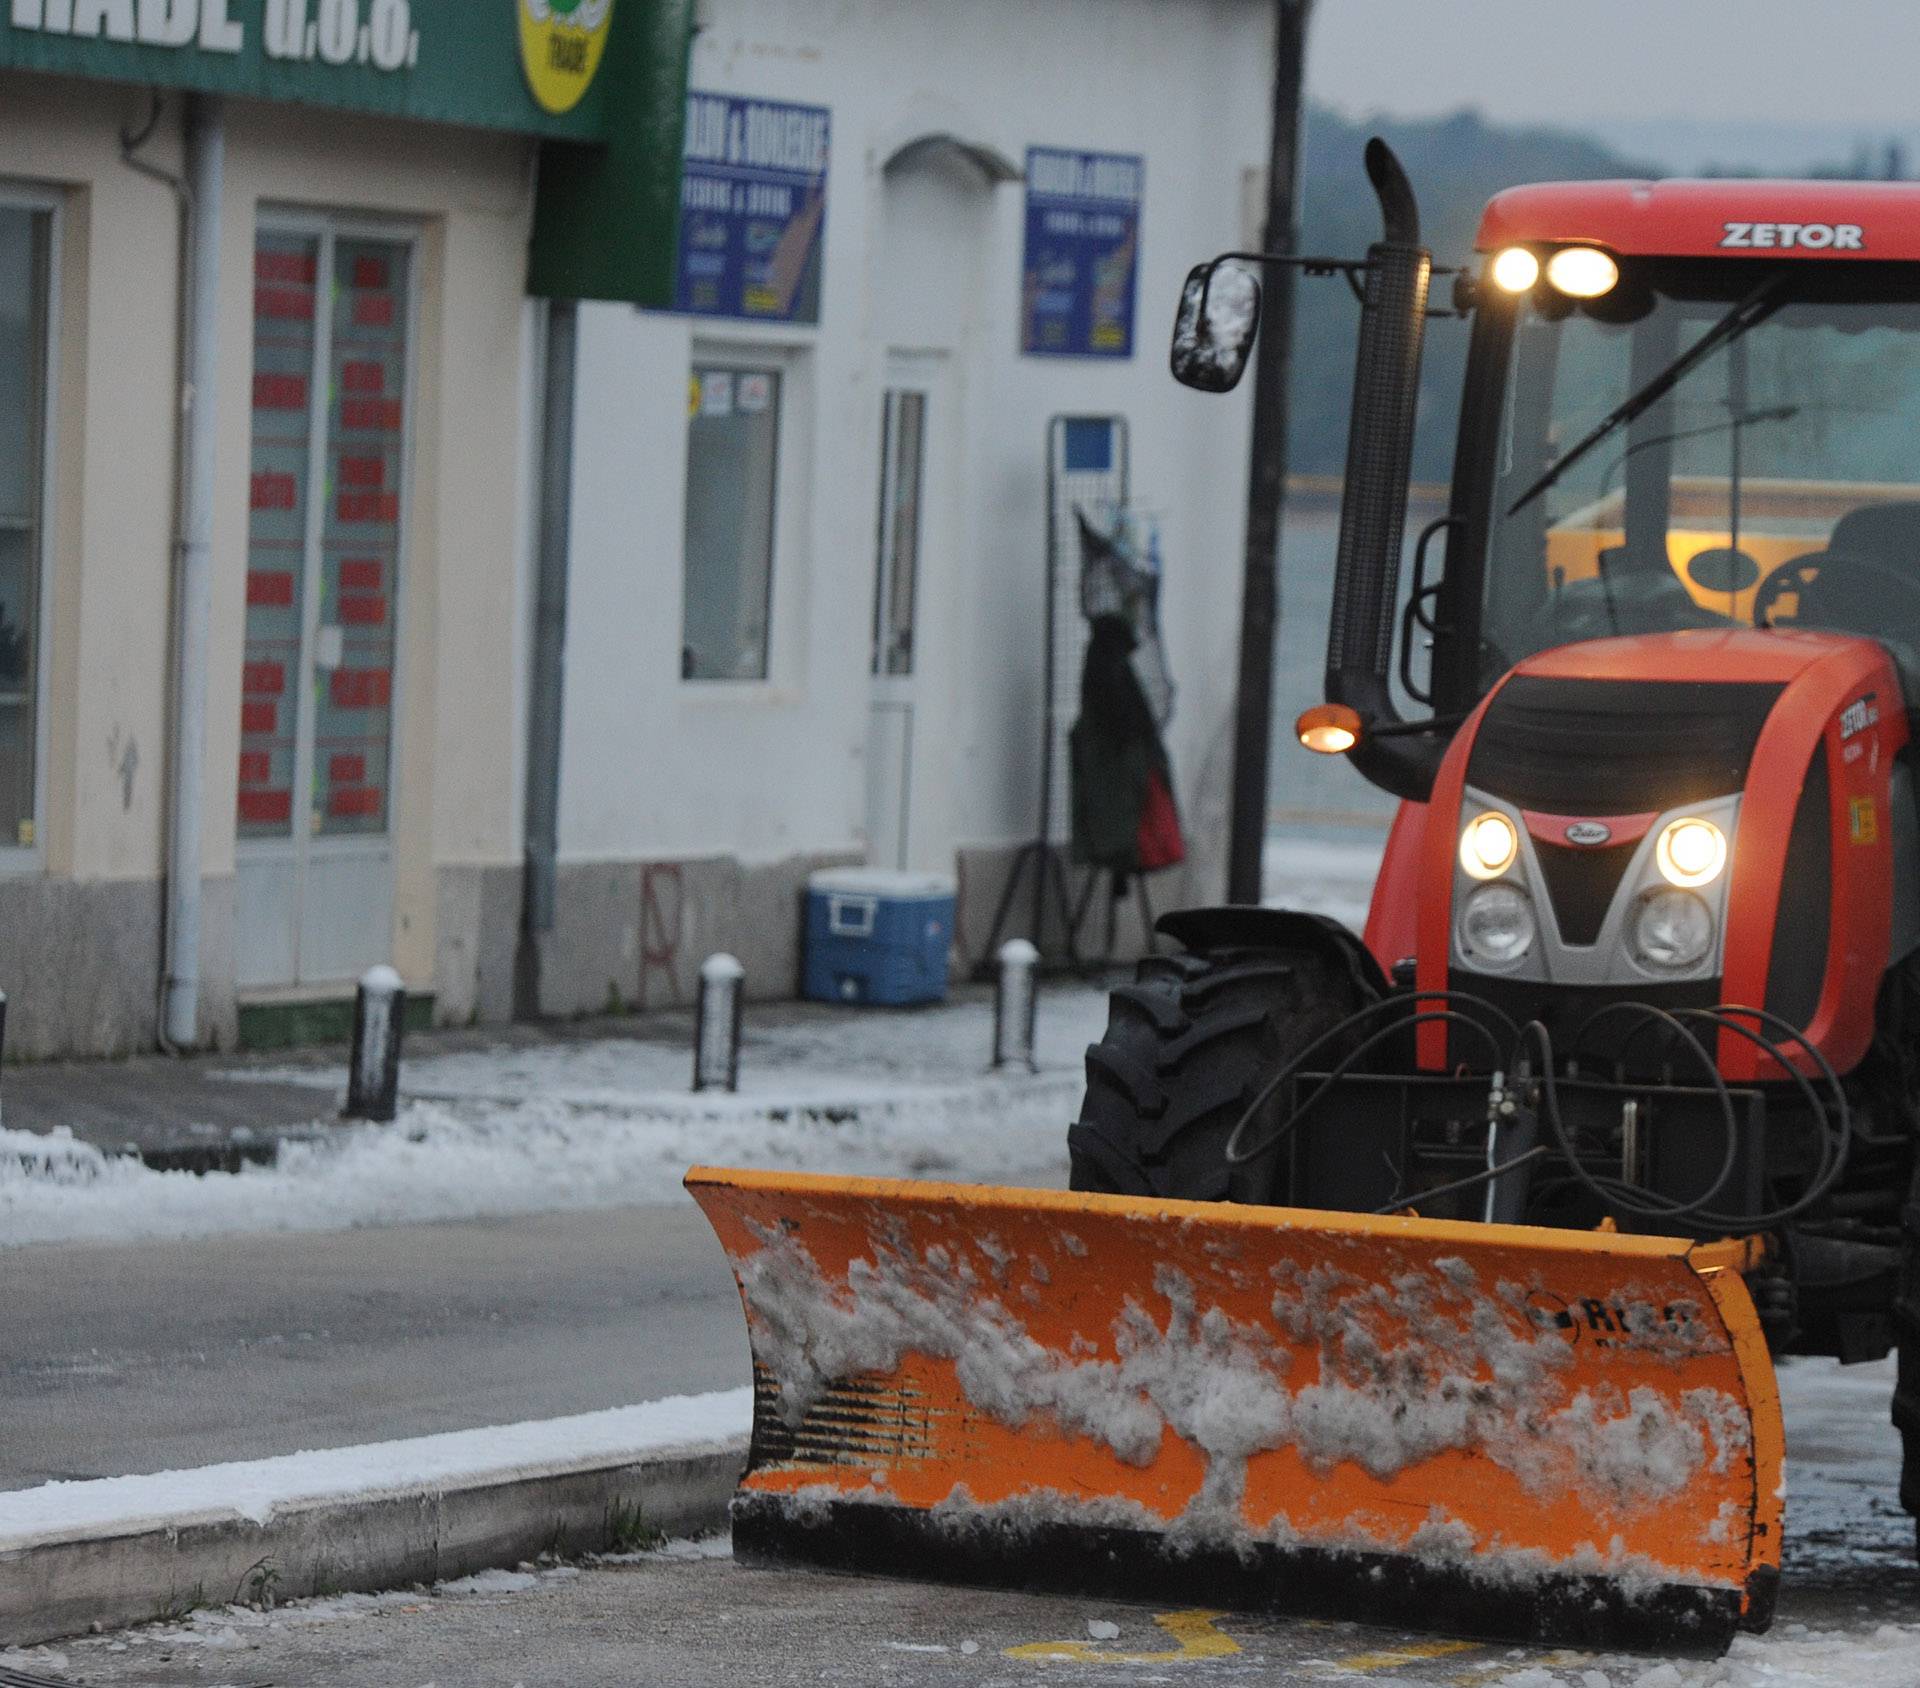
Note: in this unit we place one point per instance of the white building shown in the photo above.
(267, 650)
(260, 587)
(748, 693)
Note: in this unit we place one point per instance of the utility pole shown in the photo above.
(1267, 471)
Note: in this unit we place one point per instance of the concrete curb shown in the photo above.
(393, 1538)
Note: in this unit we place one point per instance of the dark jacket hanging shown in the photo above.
(1124, 817)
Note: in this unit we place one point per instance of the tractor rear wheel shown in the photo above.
(1187, 1047)
(1906, 1325)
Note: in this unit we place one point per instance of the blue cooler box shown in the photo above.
(877, 936)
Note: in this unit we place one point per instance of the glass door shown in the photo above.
(325, 552)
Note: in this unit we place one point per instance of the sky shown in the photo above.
(1749, 80)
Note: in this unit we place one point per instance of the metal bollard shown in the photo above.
(1015, 1005)
(379, 1018)
(716, 1024)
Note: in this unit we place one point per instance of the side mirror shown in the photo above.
(1214, 328)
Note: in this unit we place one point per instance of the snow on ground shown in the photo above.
(1793, 1657)
(1843, 1471)
(257, 1489)
(484, 1160)
(604, 1124)
(610, 1122)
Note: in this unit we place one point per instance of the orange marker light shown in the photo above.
(1330, 728)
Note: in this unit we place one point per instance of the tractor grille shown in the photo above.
(1617, 747)
(1581, 880)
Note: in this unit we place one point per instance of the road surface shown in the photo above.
(1849, 1617)
(713, 1624)
(166, 1355)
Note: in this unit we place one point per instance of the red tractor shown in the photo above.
(1619, 1094)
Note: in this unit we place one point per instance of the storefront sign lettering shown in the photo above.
(530, 66)
(604, 219)
(333, 32)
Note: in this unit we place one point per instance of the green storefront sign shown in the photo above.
(601, 83)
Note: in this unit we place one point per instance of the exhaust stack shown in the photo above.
(1373, 507)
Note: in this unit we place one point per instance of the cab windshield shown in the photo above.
(1777, 484)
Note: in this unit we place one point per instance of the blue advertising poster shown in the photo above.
(1083, 247)
(753, 198)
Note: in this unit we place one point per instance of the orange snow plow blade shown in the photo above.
(1499, 1431)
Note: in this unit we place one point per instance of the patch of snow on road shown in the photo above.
(716, 1546)
(492, 1582)
(1889, 1657)
(257, 1489)
(1843, 1470)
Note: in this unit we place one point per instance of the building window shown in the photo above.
(902, 429)
(329, 414)
(733, 437)
(25, 247)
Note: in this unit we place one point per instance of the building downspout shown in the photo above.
(547, 682)
(193, 588)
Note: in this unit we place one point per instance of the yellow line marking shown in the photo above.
(1193, 1632)
(1411, 1654)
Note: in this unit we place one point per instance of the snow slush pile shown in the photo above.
(476, 1159)
(1793, 1657)
(1427, 1362)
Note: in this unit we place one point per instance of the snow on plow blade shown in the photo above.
(1497, 1431)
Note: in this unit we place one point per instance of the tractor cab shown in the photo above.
(1704, 422)
(1689, 408)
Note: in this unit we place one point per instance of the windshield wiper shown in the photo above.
(1753, 310)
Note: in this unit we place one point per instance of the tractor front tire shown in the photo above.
(1188, 1046)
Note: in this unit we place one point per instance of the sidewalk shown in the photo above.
(535, 1119)
(216, 1112)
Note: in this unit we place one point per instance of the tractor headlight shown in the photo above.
(1497, 924)
(1489, 845)
(1670, 930)
(1582, 272)
(1514, 270)
(1691, 852)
